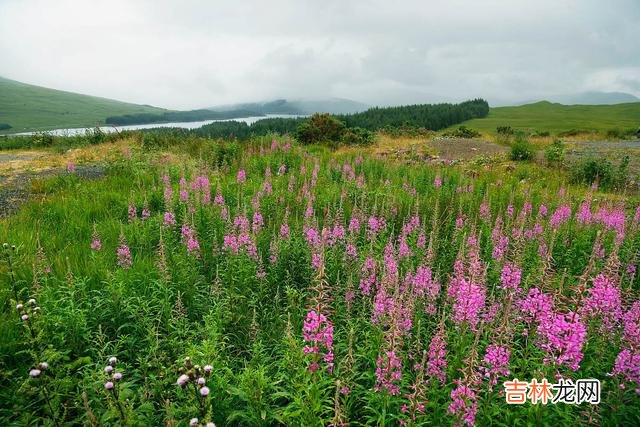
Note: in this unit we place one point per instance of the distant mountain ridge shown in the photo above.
(298, 106)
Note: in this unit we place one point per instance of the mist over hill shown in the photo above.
(298, 106)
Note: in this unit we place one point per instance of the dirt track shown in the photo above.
(18, 169)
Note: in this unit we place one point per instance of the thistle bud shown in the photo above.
(19, 307)
(108, 385)
(117, 376)
(193, 422)
(201, 381)
(204, 391)
(43, 366)
(113, 360)
(182, 380)
(34, 373)
(108, 369)
(25, 317)
(32, 302)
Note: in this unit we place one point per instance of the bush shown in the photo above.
(320, 128)
(504, 130)
(554, 153)
(571, 132)
(5, 126)
(521, 150)
(94, 136)
(357, 136)
(601, 171)
(621, 133)
(42, 139)
(463, 132)
(541, 133)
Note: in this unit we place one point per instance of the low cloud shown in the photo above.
(193, 53)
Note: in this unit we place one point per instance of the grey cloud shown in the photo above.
(196, 53)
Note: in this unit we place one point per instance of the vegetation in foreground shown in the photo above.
(271, 283)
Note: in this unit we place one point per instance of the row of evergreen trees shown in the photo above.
(424, 116)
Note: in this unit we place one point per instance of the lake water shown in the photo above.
(185, 125)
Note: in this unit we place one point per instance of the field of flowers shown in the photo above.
(270, 284)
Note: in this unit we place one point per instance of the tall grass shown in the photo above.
(315, 288)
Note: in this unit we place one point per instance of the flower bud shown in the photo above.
(19, 307)
(208, 369)
(25, 317)
(113, 360)
(108, 369)
(193, 422)
(34, 373)
(108, 385)
(117, 376)
(201, 381)
(204, 391)
(43, 366)
(182, 380)
(32, 302)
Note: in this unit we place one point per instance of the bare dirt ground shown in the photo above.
(19, 168)
(613, 151)
(438, 150)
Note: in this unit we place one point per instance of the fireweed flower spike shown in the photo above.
(124, 255)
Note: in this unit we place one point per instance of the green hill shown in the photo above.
(546, 116)
(27, 107)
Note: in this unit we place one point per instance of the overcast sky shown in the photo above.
(197, 53)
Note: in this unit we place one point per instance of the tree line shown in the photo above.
(423, 116)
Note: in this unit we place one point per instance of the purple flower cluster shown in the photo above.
(124, 255)
(562, 336)
(464, 405)
(495, 363)
(604, 302)
(317, 332)
(437, 363)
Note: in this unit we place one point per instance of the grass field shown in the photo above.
(27, 107)
(270, 283)
(545, 116)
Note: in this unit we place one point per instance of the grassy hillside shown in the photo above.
(26, 107)
(545, 116)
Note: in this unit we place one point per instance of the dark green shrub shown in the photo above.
(541, 133)
(601, 171)
(94, 135)
(320, 128)
(504, 130)
(42, 139)
(5, 126)
(554, 153)
(621, 133)
(521, 149)
(463, 132)
(571, 132)
(357, 136)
